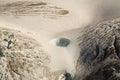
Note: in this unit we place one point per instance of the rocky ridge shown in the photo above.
(21, 57)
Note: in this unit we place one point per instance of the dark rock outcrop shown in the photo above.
(99, 56)
(62, 42)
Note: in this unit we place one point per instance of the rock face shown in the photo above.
(21, 57)
(100, 52)
(62, 42)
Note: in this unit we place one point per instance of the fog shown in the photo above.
(45, 30)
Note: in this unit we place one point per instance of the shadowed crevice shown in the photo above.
(117, 46)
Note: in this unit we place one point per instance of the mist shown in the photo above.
(82, 13)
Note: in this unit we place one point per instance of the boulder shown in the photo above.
(62, 42)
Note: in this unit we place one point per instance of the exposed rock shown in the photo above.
(100, 52)
(22, 58)
(62, 42)
(68, 76)
(65, 76)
